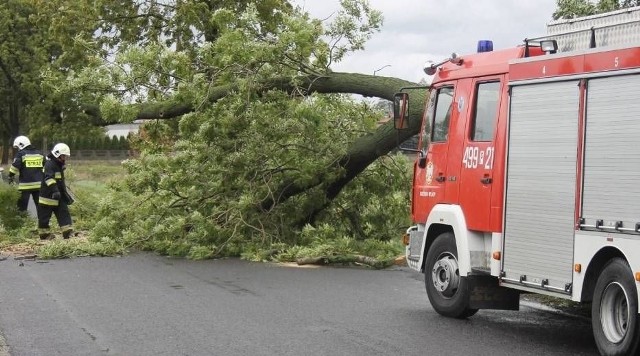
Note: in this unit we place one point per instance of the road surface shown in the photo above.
(143, 304)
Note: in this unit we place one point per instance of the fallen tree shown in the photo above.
(250, 137)
(361, 153)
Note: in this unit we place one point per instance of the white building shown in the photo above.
(122, 129)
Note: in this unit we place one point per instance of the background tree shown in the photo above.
(42, 39)
(568, 9)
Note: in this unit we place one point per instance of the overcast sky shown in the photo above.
(415, 31)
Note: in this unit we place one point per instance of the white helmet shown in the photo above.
(21, 142)
(61, 149)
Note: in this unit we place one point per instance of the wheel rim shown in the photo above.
(614, 312)
(445, 275)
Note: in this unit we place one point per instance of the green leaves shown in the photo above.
(204, 190)
(10, 218)
(352, 27)
(568, 9)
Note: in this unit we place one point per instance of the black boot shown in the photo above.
(47, 236)
(67, 234)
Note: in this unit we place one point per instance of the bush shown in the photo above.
(10, 218)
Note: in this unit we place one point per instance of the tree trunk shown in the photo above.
(5, 151)
(14, 120)
(13, 128)
(365, 150)
(335, 82)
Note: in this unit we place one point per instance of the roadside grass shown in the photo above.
(96, 173)
(89, 182)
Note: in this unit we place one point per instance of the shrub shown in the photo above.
(10, 218)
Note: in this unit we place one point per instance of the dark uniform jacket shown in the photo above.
(27, 164)
(52, 181)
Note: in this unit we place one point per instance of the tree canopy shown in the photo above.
(569, 9)
(41, 43)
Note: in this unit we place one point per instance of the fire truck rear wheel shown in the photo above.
(448, 293)
(614, 311)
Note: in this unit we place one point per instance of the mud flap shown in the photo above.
(485, 293)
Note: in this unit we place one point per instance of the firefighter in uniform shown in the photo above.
(54, 198)
(27, 165)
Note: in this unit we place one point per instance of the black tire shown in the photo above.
(614, 312)
(448, 293)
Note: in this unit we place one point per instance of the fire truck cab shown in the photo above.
(528, 180)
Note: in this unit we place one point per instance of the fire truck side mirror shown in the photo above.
(422, 161)
(401, 111)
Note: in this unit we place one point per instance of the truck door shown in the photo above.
(430, 180)
(476, 175)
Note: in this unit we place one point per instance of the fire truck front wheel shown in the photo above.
(614, 311)
(447, 291)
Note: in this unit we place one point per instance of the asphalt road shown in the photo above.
(144, 304)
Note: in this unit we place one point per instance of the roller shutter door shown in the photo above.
(541, 178)
(612, 158)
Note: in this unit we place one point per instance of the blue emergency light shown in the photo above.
(485, 46)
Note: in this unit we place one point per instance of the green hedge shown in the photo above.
(90, 143)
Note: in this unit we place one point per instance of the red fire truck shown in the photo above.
(528, 179)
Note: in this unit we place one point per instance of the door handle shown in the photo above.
(486, 180)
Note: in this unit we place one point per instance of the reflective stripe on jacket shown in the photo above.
(27, 165)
